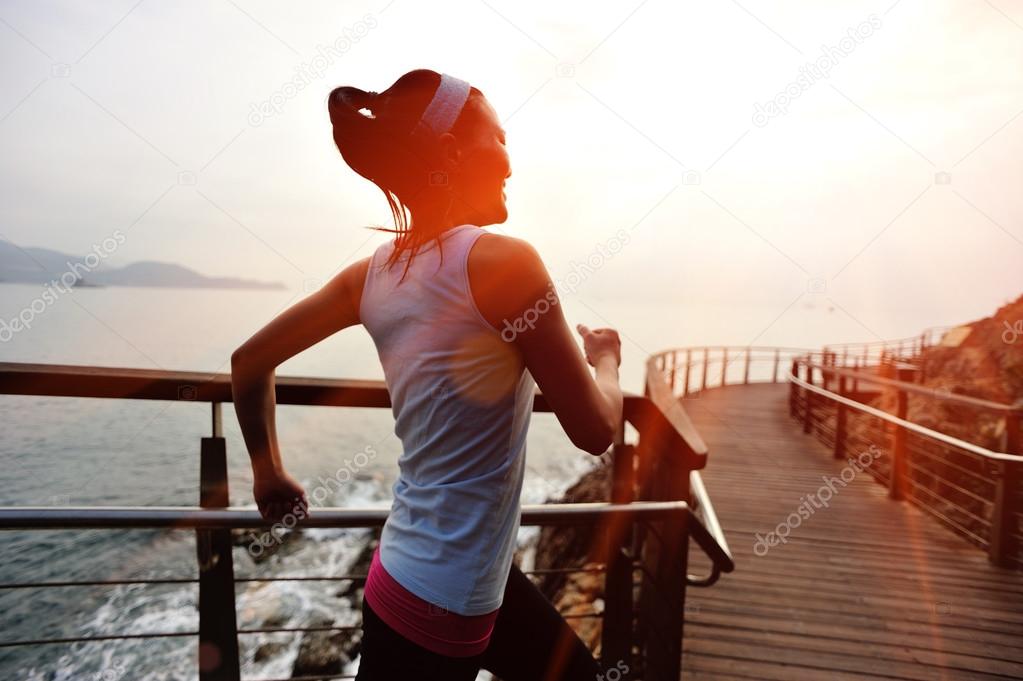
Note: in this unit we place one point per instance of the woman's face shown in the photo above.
(481, 167)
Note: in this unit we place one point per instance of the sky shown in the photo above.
(865, 155)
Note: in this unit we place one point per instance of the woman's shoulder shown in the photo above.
(505, 274)
(503, 255)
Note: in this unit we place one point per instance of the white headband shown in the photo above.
(442, 112)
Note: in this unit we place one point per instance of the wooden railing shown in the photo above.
(878, 352)
(974, 491)
(657, 504)
(688, 371)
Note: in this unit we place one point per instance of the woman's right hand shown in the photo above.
(600, 342)
(278, 495)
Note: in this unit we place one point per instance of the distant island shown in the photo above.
(31, 265)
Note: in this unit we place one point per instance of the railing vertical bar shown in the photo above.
(218, 625)
(745, 371)
(1004, 546)
(671, 374)
(793, 388)
(616, 632)
(808, 399)
(685, 389)
(724, 366)
(706, 362)
(840, 421)
(897, 477)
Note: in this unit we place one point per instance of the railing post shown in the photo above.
(840, 418)
(807, 402)
(745, 371)
(664, 556)
(706, 362)
(616, 635)
(793, 389)
(689, 357)
(1004, 547)
(777, 360)
(897, 475)
(218, 626)
(724, 366)
(671, 374)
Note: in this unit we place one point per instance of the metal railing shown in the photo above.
(658, 503)
(882, 351)
(690, 370)
(974, 491)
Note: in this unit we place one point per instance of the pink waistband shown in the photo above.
(423, 623)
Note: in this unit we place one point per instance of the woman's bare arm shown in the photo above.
(514, 292)
(334, 307)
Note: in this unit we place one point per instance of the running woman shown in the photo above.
(466, 323)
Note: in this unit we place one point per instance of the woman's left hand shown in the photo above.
(278, 495)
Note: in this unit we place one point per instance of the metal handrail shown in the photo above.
(713, 543)
(967, 400)
(926, 334)
(908, 425)
(708, 536)
(195, 517)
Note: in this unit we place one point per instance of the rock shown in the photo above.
(571, 546)
(267, 650)
(981, 359)
(352, 589)
(263, 606)
(326, 652)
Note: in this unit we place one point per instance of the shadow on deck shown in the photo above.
(865, 588)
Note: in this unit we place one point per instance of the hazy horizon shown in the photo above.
(886, 188)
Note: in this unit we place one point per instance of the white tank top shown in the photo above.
(462, 400)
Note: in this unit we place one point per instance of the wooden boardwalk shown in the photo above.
(866, 588)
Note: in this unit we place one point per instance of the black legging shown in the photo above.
(530, 642)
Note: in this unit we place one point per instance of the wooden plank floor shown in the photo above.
(866, 588)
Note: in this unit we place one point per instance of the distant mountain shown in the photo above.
(43, 265)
